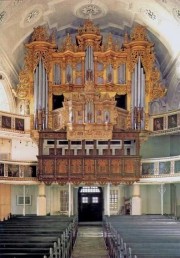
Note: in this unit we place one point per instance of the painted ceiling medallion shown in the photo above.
(32, 16)
(17, 2)
(150, 14)
(176, 13)
(3, 16)
(90, 10)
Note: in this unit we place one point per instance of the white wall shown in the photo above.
(53, 198)
(178, 200)
(30, 190)
(23, 150)
(151, 199)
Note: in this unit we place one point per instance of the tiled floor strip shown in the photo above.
(90, 243)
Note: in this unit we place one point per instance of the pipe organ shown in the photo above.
(89, 92)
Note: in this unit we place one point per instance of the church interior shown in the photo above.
(89, 108)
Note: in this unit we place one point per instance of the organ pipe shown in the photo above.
(122, 74)
(40, 96)
(89, 63)
(135, 87)
(40, 84)
(139, 83)
(46, 102)
(43, 87)
(133, 97)
(57, 74)
(138, 95)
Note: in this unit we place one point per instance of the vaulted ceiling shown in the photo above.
(161, 17)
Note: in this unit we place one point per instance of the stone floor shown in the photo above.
(90, 243)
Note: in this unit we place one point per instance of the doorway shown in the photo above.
(90, 203)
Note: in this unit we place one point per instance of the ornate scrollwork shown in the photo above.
(89, 35)
(24, 85)
(88, 28)
(157, 90)
(139, 33)
(40, 34)
(68, 44)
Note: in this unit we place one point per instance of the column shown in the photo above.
(41, 201)
(121, 199)
(136, 200)
(107, 200)
(24, 200)
(162, 190)
(70, 198)
(173, 199)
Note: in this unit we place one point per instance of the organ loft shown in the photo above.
(88, 100)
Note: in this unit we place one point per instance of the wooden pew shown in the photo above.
(136, 236)
(44, 236)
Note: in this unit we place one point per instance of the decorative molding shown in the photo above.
(176, 13)
(90, 9)
(3, 17)
(31, 16)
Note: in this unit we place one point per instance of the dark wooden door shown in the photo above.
(90, 204)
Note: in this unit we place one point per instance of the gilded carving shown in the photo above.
(24, 85)
(139, 33)
(157, 90)
(68, 44)
(40, 34)
(88, 28)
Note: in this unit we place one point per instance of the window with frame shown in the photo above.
(85, 199)
(20, 200)
(113, 199)
(64, 200)
(90, 189)
(95, 199)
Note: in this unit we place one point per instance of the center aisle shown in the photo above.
(90, 243)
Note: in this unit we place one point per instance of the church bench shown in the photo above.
(142, 236)
(42, 237)
(26, 244)
(26, 255)
(31, 240)
(158, 253)
(30, 250)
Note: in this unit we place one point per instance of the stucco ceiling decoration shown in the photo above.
(176, 13)
(31, 16)
(3, 16)
(90, 9)
(150, 14)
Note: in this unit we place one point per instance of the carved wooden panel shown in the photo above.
(129, 166)
(116, 166)
(48, 166)
(76, 166)
(62, 166)
(85, 169)
(89, 166)
(102, 166)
